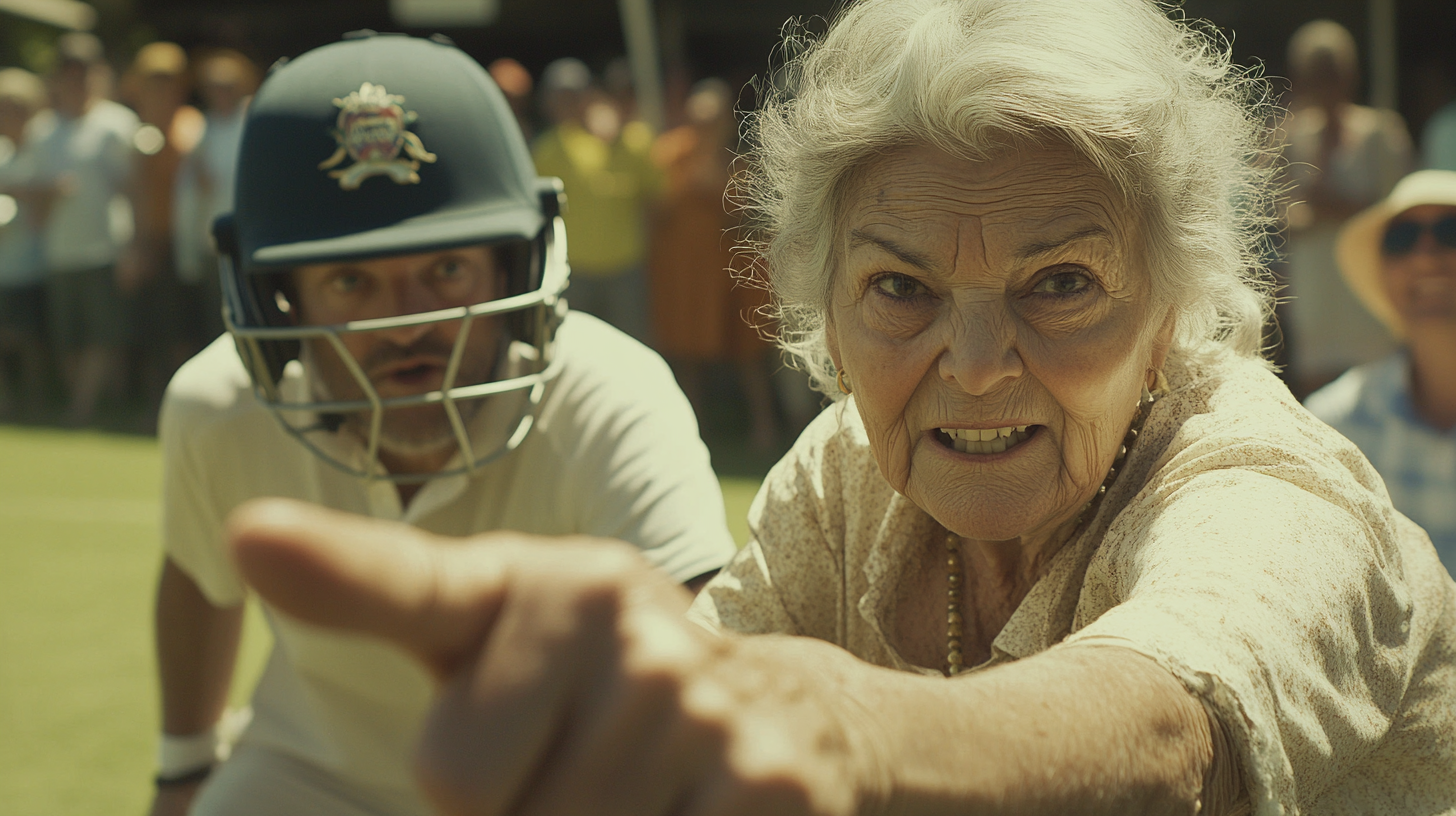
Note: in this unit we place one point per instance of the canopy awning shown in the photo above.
(71, 14)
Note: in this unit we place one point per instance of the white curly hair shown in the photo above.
(1151, 100)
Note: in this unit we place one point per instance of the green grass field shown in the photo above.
(79, 553)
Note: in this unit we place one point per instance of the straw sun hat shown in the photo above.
(1358, 250)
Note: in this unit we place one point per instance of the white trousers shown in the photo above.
(258, 781)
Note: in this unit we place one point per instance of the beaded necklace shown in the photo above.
(954, 657)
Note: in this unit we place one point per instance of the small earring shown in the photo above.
(839, 379)
(1156, 382)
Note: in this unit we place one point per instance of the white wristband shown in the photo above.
(178, 756)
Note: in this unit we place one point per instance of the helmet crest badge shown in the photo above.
(372, 130)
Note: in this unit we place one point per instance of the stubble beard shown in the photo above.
(407, 431)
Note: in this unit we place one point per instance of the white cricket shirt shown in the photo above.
(615, 452)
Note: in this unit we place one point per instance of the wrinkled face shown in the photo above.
(405, 360)
(1000, 300)
(1421, 281)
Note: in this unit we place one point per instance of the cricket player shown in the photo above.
(399, 347)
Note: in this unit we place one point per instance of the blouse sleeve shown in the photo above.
(789, 578)
(1278, 596)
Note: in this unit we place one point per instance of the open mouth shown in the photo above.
(415, 375)
(985, 440)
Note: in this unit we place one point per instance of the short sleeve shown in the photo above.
(1284, 610)
(743, 599)
(192, 531)
(635, 467)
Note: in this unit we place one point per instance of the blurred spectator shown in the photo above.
(619, 96)
(157, 87)
(1342, 157)
(1399, 257)
(619, 90)
(515, 82)
(699, 315)
(22, 266)
(204, 190)
(84, 156)
(610, 182)
(1438, 138)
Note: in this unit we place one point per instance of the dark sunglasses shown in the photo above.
(1402, 236)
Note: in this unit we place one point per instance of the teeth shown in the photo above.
(988, 440)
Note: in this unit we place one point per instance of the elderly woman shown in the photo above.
(1065, 545)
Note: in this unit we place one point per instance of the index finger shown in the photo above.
(371, 576)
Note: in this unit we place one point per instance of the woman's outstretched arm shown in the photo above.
(571, 683)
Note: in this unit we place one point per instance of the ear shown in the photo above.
(288, 285)
(1163, 340)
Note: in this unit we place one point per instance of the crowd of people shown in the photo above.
(109, 266)
(1370, 277)
(655, 241)
(107, 270)
(108, 191)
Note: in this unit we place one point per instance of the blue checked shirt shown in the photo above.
(1371, 405)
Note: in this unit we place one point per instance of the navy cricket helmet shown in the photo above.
(374, 146)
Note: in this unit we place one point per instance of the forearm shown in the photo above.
(197, 646)
(1090, 729)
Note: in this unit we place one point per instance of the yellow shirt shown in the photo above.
(608, 190)
(1247, 548)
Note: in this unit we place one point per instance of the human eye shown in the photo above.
(346, 282)
(897, 286)
(1064, 282)
(450, 269)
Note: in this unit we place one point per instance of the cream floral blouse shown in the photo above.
(1247, 548)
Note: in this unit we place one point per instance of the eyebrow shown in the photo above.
(909, 256)
(1035, 248)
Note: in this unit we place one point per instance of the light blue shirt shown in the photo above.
(1438, 140)
(1371, 405)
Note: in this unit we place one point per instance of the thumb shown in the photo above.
(371, 576)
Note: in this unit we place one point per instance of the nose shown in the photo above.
(410, 296)
(980, 354)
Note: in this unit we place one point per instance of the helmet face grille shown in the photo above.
(386, 146)
(473, 395)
